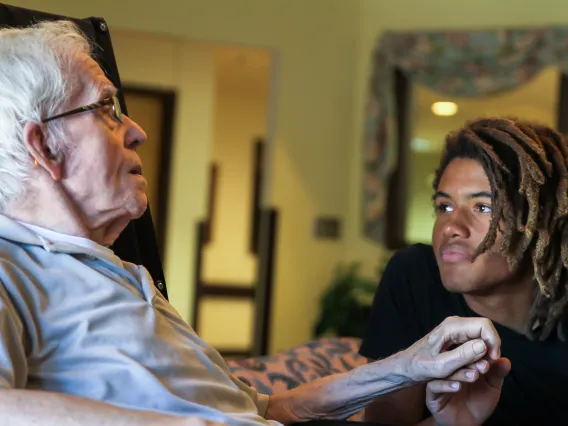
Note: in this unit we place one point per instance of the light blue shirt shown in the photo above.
(75, 319)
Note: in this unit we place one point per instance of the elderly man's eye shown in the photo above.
(111, 111)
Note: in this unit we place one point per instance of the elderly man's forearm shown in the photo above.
(339, 396)
(27, 407)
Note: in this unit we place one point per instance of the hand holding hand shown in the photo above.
(454, 344)
(467, 404)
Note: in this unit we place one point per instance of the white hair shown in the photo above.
(35, 83)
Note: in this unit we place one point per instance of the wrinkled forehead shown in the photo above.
(92, 84)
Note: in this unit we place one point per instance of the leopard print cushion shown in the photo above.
(302, 364)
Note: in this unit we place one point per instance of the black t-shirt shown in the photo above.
(411, 301)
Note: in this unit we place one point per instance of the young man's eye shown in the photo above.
(442, 208)
(483, 208)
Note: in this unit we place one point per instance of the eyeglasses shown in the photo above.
(112, 101)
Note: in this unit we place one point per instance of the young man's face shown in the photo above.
(463, 217)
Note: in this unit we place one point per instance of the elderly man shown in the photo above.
(85, 338)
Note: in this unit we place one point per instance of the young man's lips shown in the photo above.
(453, 254)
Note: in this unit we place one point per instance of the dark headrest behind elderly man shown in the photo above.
(84, 337)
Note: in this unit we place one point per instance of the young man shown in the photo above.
(499, 250)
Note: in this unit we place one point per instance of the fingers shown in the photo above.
(471, 339)
(459, 330)
(470, 373)
(497, 373)
(482, 366)
(495, 376)
(443, 386)
(464, 375)
(448, 362)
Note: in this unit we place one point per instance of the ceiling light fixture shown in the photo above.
(444, 109)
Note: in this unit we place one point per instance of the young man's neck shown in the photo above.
(508, 304)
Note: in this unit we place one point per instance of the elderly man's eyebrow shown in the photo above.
(108, 91)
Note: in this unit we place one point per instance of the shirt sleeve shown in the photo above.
(13, 360)
(394, 322)
(259, 399)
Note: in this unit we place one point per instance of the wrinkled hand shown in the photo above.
(467, 404)
(454, 344)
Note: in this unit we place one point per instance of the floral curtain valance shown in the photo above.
(457, 63)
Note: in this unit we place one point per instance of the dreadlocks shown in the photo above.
(526, 165)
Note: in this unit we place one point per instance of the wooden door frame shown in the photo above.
(168, 98)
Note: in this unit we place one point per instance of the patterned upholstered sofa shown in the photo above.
(302, 364)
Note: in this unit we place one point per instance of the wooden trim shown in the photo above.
(227, 290)
(203, 289)
(200, 233)
(395, 226)
(562, 108)
(257, 179)
(169, 100)
(262, 293)
(235, 353)
(265, 282)
(212, 196)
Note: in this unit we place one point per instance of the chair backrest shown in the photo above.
(137, 243)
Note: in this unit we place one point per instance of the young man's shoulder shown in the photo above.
(418, 251)
(412, 263)
(412, 281)
(405, 307)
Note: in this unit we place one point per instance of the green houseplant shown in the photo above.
(346, 305)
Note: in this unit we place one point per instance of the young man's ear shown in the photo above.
(35, 135)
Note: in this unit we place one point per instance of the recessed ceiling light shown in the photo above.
(444, 109)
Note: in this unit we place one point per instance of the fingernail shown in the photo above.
(470, 375)
(481, 366)
(455, 385)
(479, 347)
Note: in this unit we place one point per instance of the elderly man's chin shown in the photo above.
(140, 204)
(137, 199)
(139, 207)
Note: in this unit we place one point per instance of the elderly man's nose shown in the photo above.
(135, 135)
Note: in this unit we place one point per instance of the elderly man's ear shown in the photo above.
(35, 135)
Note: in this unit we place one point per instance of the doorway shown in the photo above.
(235, 242)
